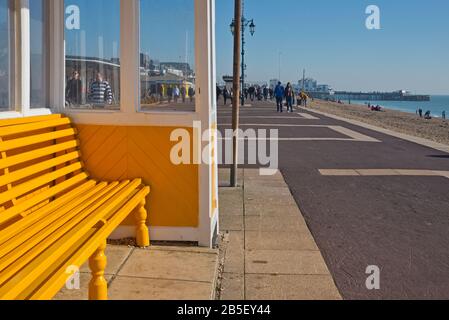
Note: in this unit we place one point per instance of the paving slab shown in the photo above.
(235, 253)
(129, 288)
(285, 262)
(116, 256)
(155, 273)
(279, 241)
(261, 191)
(78, 294)
(232, 287)
(231, 201)
(291, 287)
(291, 223)
(170, 265)
(267, 209)
(231, 223)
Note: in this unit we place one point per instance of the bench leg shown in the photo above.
(98, 286)
(142, 233)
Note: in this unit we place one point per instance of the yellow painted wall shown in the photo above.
(118, 153)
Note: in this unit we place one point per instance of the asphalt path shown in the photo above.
(397, 223)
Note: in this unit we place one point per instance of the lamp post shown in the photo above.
(252, 29)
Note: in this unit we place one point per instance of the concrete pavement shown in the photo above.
(155, 273)
(267, 250)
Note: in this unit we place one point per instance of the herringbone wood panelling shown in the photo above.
(118, 153)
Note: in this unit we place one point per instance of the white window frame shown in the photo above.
(129, 112)
(21, 66)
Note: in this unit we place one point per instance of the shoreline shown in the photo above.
(363, 104)
(436, 130)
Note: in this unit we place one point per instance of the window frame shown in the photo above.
(20, 66)
(129, 112)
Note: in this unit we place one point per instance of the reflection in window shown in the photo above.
(5, 56)
(167, 55)
(92, 33)
(38, 45)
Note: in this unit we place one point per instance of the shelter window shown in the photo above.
(6, 24)
(38, 54)
(92, 34)
(167, 55)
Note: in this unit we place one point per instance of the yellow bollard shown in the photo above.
(98, 286)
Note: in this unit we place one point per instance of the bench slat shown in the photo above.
(63, 223)
(34, 126)
(16, 121)
(70, 197)
(26, 276)
(38, 153)
(53, 284)
(13, 254)
(39, 138)
(28, 186)
(47, 194)
(40, 167)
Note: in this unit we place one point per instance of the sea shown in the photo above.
(436, 105)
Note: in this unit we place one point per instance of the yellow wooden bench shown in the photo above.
(52, 216)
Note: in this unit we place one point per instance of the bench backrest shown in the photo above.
(39, 160)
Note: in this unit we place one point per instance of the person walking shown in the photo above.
(279, 92)
(444, 115)
(183, 94)
(191, 94)
(289, 97)
(73, 91)
(176, 93)
(169, 93)
(100, 92)
(225, 95)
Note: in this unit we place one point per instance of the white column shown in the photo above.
(24, 58)
(56, 52)
(129, 56)
(205, 93)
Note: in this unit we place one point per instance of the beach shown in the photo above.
(436, 129)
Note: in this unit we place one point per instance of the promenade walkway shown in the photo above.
(267, 250)
(368, 198)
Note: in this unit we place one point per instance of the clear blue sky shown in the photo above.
(327, 37)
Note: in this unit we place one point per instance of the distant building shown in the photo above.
(178, 68)
(323, 88)
(308, 84)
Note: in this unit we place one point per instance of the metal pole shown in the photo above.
(243, 59)
(236, 89)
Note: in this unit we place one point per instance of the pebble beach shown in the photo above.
(435, 129)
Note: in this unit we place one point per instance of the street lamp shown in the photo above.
(252, 29)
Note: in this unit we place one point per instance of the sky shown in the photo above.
(326, 37)
(329, 39)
